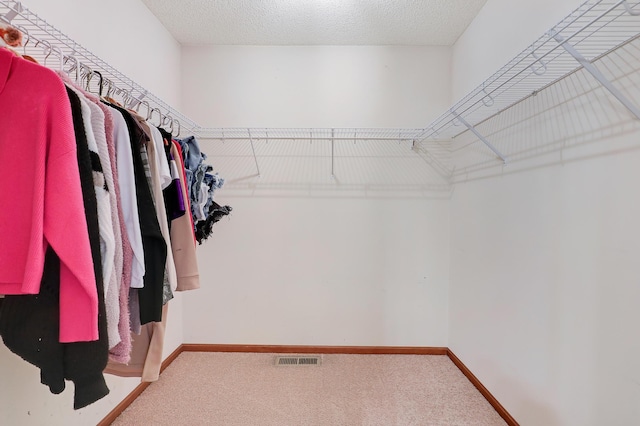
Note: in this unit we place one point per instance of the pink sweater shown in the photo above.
(40, 195)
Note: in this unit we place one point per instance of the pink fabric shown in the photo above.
(184, 182)
(182, 245)
(40, 195)
(122, 351)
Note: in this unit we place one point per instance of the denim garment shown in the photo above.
(213, 182)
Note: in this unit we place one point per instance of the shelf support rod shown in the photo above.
(333, 173)
(12, 13)
(595, 72)
(479, 136)
(254, 152)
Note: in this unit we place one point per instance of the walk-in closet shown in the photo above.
(320, 212)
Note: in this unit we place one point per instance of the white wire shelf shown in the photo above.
(596, 28)
(306, 134)
(37, 30)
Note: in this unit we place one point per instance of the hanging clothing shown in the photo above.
(29, 324)
(39, 115)
(161, 179)
(124, 259)
(100, 163)
(99, 233)
(185, 184)
(201, 185)
(182, 242)
(146, 355)
(128, 196)
(155, 184)
(112, 291)
(155, 248)
(174, 201)
(85, 361)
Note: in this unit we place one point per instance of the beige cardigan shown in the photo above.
(183, 244)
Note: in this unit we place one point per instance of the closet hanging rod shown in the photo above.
(314, 138)
(32, 26)
(310, 134)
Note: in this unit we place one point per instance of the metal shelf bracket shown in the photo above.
(333, 173)
(11, 14)
(595, 72)
(479, 136)
(254, 152)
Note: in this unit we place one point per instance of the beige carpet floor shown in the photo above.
(239, 389)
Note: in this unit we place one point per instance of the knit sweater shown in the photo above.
(122, 351)
(123, 262)
(44, 195)
(29, 323)
(84, 362)
(111, 240)
(107, 239)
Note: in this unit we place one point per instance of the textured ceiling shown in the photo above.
(316, 22)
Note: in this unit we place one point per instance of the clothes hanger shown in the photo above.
(74, 67)
(100, 82)
(145, 103)
(86, 75)
(149, 118)
(60, 56)
(170, 130)
(47, 50)
(179, 128)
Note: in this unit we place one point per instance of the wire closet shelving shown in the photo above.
(593, 30)
(57, 47)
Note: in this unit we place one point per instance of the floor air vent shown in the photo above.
(298, 360)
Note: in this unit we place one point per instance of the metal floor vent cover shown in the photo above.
(298, 360)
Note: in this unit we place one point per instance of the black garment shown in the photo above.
(170, 193)
(84, 362)
(30, 324)
(155, 248)
(204, 228)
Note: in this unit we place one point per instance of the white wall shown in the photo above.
(324, 271)
(544, 276)
(361, 259)
(544, 285)
(315, 86)
(129, 37)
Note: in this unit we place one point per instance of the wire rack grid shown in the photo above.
(596, 28)
(38, 31)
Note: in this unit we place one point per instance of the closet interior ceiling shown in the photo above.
(597, 39)
(313, 22)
